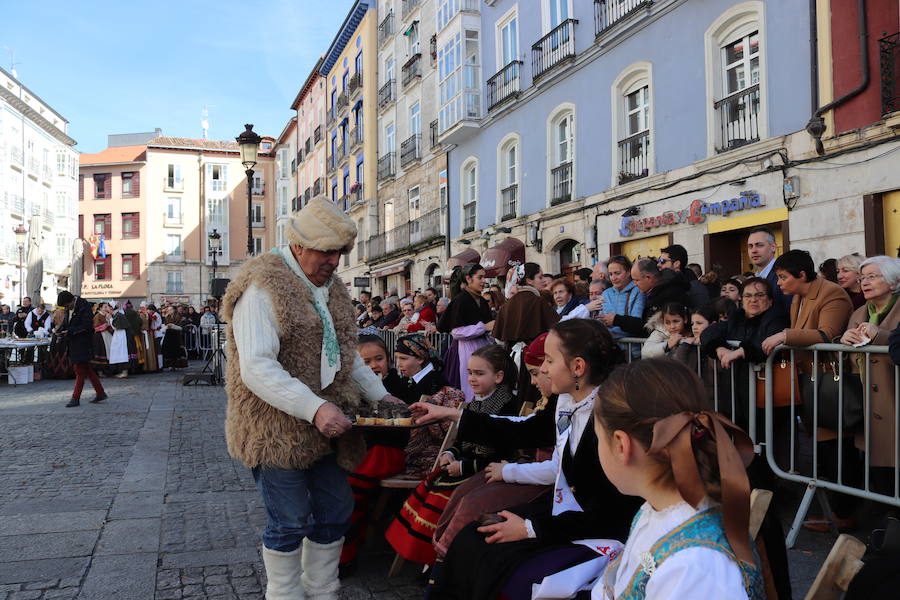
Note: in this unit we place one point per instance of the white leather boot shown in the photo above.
(283, 570)
(320, 569)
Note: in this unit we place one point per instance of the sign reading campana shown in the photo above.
(695, 214)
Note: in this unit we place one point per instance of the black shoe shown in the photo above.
(99, 398)
(72, 403)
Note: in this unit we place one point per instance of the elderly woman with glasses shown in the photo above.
(872, 323)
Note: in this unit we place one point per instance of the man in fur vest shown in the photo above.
(293, 374)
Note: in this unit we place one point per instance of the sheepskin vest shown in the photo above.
(258, 433)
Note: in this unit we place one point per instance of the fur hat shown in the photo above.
(321, 225)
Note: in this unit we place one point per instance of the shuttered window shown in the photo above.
(131, 269)
(131, 226)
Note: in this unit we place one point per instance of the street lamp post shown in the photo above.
(249, 143)
(215, 249)
(20, 232)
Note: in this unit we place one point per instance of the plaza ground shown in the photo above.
(137, 498)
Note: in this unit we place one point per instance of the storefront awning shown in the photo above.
(469, 255)
(391, 269)
(498, 260)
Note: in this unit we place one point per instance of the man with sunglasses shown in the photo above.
(675, 257)
(660, 287)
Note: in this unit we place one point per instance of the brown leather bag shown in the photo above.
(781, 385)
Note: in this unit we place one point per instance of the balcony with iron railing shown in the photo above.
(173, 184)
(890, 73)
(340, 153)
(308, 146)
(433, 134)
(412, 70)
(357, 191)
(355, 84)
(387, 167)
(34, 167)
(504, 84)
(553, 49)
(509, 197)
(318, 186)
(386, 28)
(634, 156)
(331, 117)
(386, 94)
(343, 100)
(307, 195)
(258, 222)
(16, 156)
(356, 137)
(469, 217)
(609, 12)
(344, 202)
(422, 229)
(562, 184)
(317, 134)
(410, 150)
(258, 189)
(408, 7)
(737, 116)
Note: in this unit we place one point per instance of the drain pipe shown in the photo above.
(816, 126)
(814, 55)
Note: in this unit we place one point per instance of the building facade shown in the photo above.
(311, 153)
(595, 138)
(38, 187)
(157, 241)
(286, 196)
(407, 251)
(350, 70)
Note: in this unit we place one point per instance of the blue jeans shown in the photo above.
(314, 503)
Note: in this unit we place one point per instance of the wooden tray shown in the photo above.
(389, 427)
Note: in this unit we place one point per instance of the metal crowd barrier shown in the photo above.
(191, 333)
(813, 482)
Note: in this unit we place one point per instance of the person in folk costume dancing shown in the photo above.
(384, 457)
(660, 440)
(58, 364)
(118, 348)
(77, 329)
(523, 317)
(562, 541)
(174, 352)
(293, 374)
(504, 483)
(102, 339)
(137, 353)
(491, 375)
(468, 318)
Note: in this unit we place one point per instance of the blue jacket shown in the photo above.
(629, 302)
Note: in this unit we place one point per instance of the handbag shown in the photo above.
(829, 381)
(781, 385)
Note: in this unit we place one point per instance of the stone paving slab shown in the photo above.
(135, 505)
(118, 577)
(20, 524)
(127, 536)
(35, 546)
(29, 571)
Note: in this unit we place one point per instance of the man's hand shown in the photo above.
(607, 319)
(445, 459)
(330, 421)
(454, 469)
(511, 530)
(494, 471)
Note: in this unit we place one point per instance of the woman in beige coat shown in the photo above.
(873, 323)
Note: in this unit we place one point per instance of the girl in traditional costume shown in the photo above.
(658, 439)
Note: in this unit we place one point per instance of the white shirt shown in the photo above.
(28, 324)
(681, 574)
(428, 368)
(257, 335)
(764, 272)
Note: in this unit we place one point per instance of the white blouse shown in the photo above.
(690, 573)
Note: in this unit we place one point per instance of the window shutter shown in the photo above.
(136, 266)
(136, 184)
(80, 188)
(107, 227)
(136, 225)
(107, 185)
(177, 175)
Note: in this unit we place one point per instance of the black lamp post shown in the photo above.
(20, 232)
(249, 143)
(215, 249)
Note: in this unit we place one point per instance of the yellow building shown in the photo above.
(349, 68)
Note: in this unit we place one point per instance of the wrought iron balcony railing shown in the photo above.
(386, 93)
(554, 48)
(412, 70)
(738, 118)
(387, 167)
(386, 28)
(609, 12)
(429, 226)
(634, 154)
(410, 150)
(510, 199)
(504, 84)
(562, 183)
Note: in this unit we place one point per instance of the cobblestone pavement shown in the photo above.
(137, 499)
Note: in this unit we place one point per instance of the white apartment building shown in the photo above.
(38, 186)
(286, 191)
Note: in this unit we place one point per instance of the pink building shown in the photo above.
(310, 107)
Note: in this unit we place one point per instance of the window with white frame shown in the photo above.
(557, 11)
(174, 283)
(256, 213)
(412, 39)
(282, 202)
(215, 212)
(562, 155)
(415, 120)
(61, 162)
(390, 138)
(283, 163)
(62, 245)
(258, 184)
(415, 213)
(469, 195)
(389, 66)
(279, 235)
(508, 40)
(632, 124)
(459, 75)
(508, 161)
(173, 245)
(173, 177)
(735, 53)
(173, 211)
(62, 204)
(257, 246)
(217, 176)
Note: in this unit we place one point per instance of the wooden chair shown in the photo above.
(840, 567)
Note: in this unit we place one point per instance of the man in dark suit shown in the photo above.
(78, 329)
(761, 247)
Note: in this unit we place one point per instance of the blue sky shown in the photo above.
(133, 65)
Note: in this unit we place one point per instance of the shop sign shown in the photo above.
(176, 299)
(694, 214)
(101, 289)
(362, 282)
